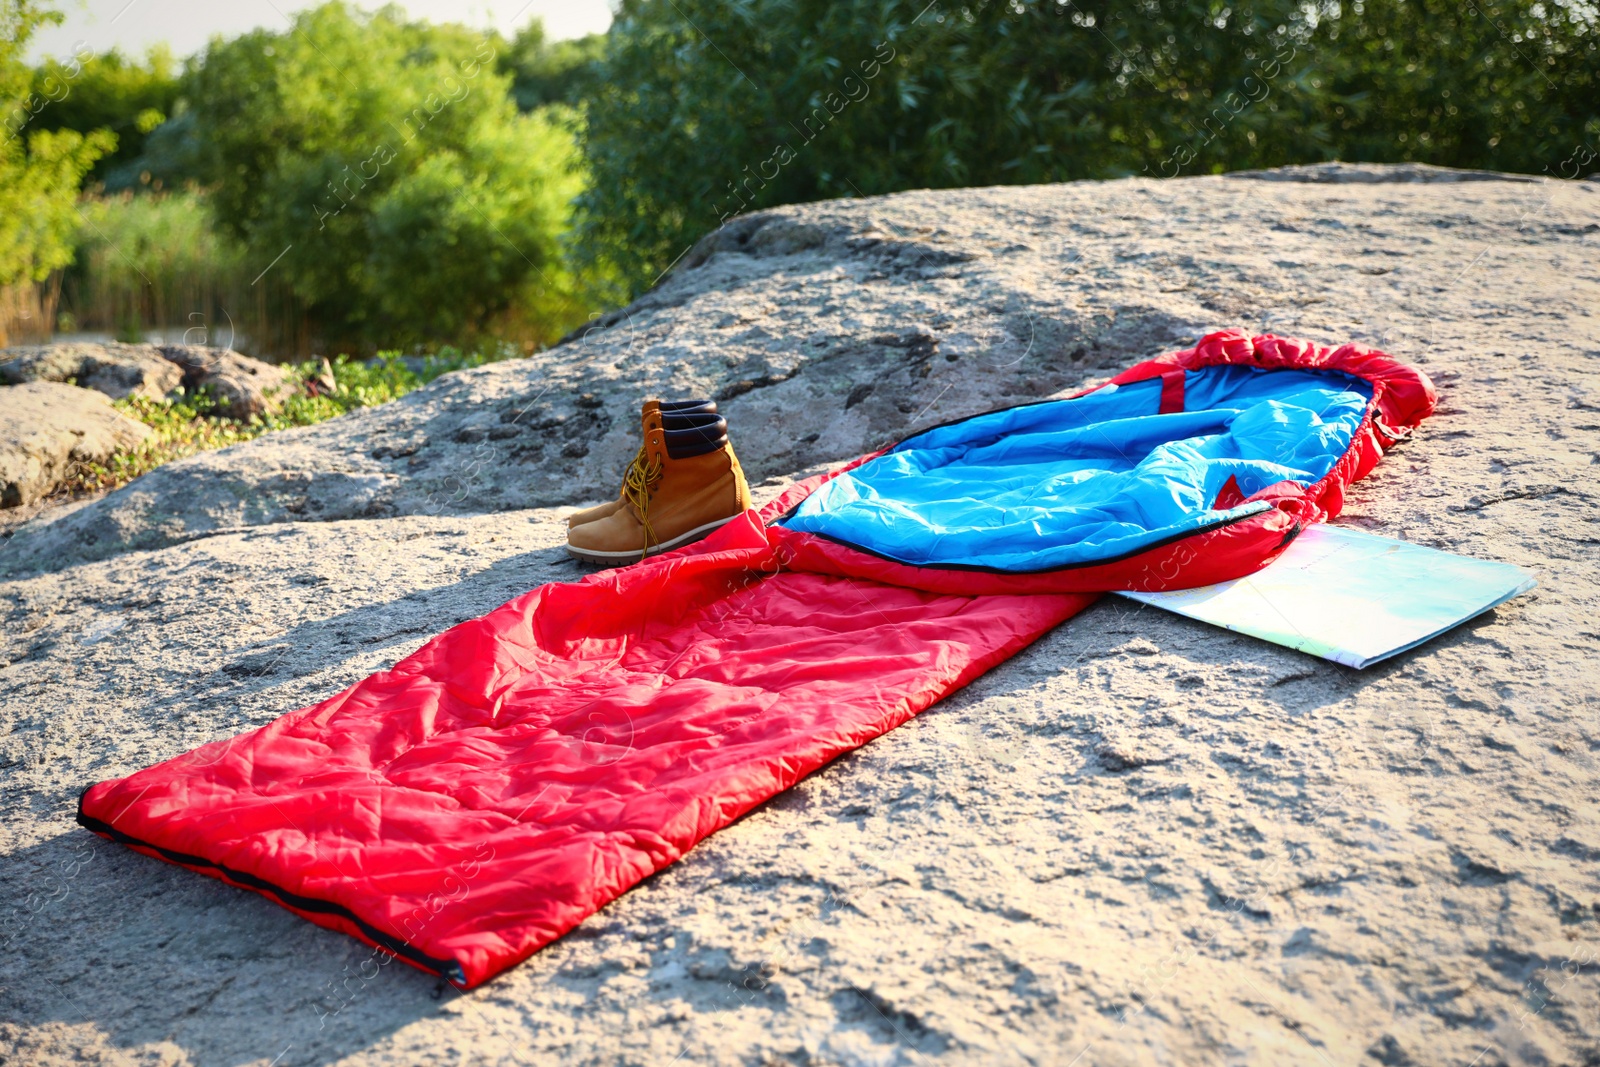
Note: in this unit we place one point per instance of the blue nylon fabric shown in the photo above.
(1091, 479)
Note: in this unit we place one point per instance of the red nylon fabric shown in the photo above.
(519, 771)
(522, 769)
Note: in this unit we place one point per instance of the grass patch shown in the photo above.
(188, 424)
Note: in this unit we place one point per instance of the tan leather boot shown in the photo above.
(656, 414)
(649, 418)
(668, 502)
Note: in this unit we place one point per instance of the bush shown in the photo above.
(473, 234)
(379, 166)
(702, 109)
(1505, 86)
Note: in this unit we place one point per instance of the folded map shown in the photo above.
(1351, 597)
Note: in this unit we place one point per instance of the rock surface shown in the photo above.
(243, 387)
(1337, 173)
(117, 370)
(46, 428)
(1141, 841)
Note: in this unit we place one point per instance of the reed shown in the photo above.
(28, 311)
(157, 262)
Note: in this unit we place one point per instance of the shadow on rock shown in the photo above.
(146, 954)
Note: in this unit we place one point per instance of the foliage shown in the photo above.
(170, 157)
(38, 190)
(1507, 86)
(159, 261)
(40, 170)
(111, 92)
(381, 168)
(190, 424)
(387, 181)
(148, 261)
(549, 72)
(702, 109)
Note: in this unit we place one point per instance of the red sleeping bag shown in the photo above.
(519, 771)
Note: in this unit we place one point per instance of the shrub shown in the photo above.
(546, 72)
(1469, 83)
(380, 167)
(158, 260)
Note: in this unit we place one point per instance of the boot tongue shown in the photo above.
(649, 417)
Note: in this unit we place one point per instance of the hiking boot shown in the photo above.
(653, 415)
(684, 483)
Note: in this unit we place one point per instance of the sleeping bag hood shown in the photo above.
(506, 780)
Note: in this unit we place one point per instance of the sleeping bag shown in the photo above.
(519, 771)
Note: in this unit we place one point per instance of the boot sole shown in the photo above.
(633, 556)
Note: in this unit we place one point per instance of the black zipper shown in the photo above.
(447, 969)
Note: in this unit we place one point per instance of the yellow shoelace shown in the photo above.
(642, 473)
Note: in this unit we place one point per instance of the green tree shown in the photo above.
(381, 166)
(1469, 83)
(40, 170)
(702, 108)
(109, 92)
(550, 72)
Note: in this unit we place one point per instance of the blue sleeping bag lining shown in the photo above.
(1091, 479)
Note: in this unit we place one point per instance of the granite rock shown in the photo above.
(46, 428)
(117, 370)
(1142, 840)
(242, 387)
